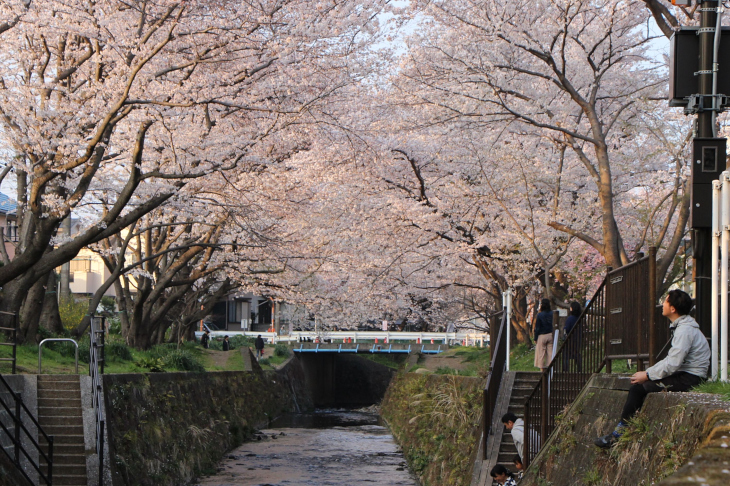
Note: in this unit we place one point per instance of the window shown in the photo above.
(81, 265)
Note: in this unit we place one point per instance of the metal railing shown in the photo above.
(630, 302)
(15, 413)
(580, 355)
(499, 349)
(4, 316)
(96, 369)
(40, 351)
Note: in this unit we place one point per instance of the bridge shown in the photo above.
(464, 338)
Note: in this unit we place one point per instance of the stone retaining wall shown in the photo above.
(169, 428)
(670, 429)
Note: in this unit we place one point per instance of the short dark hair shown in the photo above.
(516, 459)
(575, 309)
(509, 417)
(545, 305)
(500, 469)
(681, 301)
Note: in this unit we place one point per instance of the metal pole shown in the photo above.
(716, 186)
(508, 325)
(725, 241)
(18, 401)
(705, 123)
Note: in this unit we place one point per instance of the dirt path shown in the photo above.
(220, 358)
(432, 362)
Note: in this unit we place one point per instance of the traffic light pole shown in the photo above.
(702, 237)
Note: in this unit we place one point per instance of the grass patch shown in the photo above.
(716, 387)
(522, 358)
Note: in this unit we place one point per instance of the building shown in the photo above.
(9, 223)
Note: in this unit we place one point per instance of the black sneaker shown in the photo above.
(606, 441)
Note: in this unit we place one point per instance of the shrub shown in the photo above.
(117, 351)
(281, 350)
(264, 362)
(154, 365)
(183, 360)
(72, 312)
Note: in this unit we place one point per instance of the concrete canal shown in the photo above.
(328, 447)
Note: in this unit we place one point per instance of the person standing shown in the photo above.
(205, 339)
(684, 367)
(226, 344)
(572, 349)
(259, 345)
(544, 335)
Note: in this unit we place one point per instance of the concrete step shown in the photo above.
(75, 447)
(52, 393)
(50, 411)
(62, 426)
(59, 440)
(68, 461)
(70, 402)
(68, 480)
(56, 386)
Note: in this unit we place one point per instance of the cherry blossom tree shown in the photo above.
(118, 106)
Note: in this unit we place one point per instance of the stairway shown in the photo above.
(514, 389)
(59, 413)
(525, 382)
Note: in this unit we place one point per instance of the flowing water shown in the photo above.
(329, 447)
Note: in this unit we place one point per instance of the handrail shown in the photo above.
(14, 344)
(96, 369)
(15, 438)
(494, 379)
(40, 350)
(581, 354)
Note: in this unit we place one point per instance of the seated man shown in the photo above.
(516, 426)
(684, 367)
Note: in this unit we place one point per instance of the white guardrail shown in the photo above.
(464, 338)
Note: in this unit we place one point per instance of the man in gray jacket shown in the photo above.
(684, 367)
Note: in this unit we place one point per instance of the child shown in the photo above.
(503, 475)
(517, 461)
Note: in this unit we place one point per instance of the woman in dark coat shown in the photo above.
(572, 349)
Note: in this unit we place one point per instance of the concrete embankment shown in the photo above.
(677, 438)
(435, 420)
(168, 428)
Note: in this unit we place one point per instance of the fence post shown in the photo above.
(544, 407)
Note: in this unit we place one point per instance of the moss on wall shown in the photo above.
(435, 419)
(662, 437)
(168, 428)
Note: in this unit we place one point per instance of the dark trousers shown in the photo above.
(678, 382)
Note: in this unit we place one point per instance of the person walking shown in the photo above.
(259, 345)
(503, 476)
(684, 367)
(516, 427)
(544, 335)
(226, 344)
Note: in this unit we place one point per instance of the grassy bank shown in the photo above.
(58, 357)
(435, 420)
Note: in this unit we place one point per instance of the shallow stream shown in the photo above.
(329, 447)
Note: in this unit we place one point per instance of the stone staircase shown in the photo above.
(514, 389)
(59, 413)
(524, 383)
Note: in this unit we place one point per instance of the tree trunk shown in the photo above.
(50, 317)
(30, 313)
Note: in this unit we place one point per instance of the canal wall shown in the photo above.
(166, 429)
(435, 419)
(677, 438)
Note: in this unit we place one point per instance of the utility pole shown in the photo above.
(702, 237)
